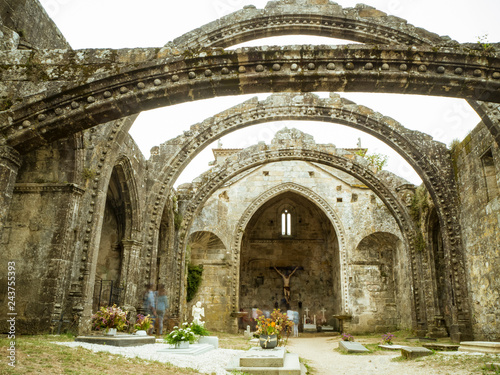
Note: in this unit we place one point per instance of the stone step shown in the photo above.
(489, 347)
(118, 340)
(291, 366)
(194, 349)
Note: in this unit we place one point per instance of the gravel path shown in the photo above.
(320, 355)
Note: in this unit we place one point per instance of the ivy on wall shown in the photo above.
(194, 278)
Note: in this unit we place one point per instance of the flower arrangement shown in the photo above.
(143, 322)
(180, 334)
(278, 324)
(110, 317)
(199, 329)
(347, 337)
(387, 338)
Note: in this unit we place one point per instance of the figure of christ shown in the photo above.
(286, 283)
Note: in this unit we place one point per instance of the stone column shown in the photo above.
(129, 274)
(10, 161)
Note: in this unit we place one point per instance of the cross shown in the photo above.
(307, 311)
(323, 311)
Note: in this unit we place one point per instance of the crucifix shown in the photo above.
(323, 312)
(286, 283)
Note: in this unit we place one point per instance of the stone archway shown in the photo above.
(308, 247)
(208, 250)
(115, 263)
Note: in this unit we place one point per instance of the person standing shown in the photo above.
(149, 305)
(161, 307)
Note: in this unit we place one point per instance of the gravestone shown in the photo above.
(260, 361)
(391, 347)
(480, 347)
(441, 347)
(410, 352)
(194, 349)
(352, 347)
(118, 340)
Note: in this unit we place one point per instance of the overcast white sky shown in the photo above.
(152, 23)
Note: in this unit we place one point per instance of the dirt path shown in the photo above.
(319, 354)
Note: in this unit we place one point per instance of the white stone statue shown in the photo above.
(198, 312)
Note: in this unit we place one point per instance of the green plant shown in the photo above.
(143, 322)
(277, 324)
(194, 278)
(88, 174)
(110, 317)
(376, 160)
(199, 330)
(177, 220)
(180, 334)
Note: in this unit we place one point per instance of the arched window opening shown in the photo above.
(286, 223)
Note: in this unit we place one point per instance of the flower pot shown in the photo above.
(182, 345)
(110, 332)
(141, 332)
(268, 341)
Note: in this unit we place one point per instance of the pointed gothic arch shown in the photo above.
(266, 197)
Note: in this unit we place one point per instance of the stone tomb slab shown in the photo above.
(391, 347)
(258, 357)
(489, 347)
(441, 347)
(410, 352)
(352, 347)
(291, 364)
(118, 340)
(194, 349)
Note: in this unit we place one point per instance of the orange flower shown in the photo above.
(273, 324)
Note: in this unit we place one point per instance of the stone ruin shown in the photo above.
(82, 210)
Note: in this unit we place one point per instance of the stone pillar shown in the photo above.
(129, 274)
(10, 161)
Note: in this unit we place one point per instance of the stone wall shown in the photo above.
(30, 22)
(477, 168)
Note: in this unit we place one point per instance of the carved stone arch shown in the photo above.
(429, 158)
(136, 81)
(363, 24)
(125, 174)
(255, 157)
(261, 200)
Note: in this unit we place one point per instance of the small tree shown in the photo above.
(379, 161)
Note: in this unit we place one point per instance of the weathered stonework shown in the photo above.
(79, 202)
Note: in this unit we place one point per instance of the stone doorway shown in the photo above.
(287, 232)
(109, 260)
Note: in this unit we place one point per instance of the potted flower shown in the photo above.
(142, 325)
(273, 331)
(347, 337)
(387, 338)
(181, 337)
(110, 320)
